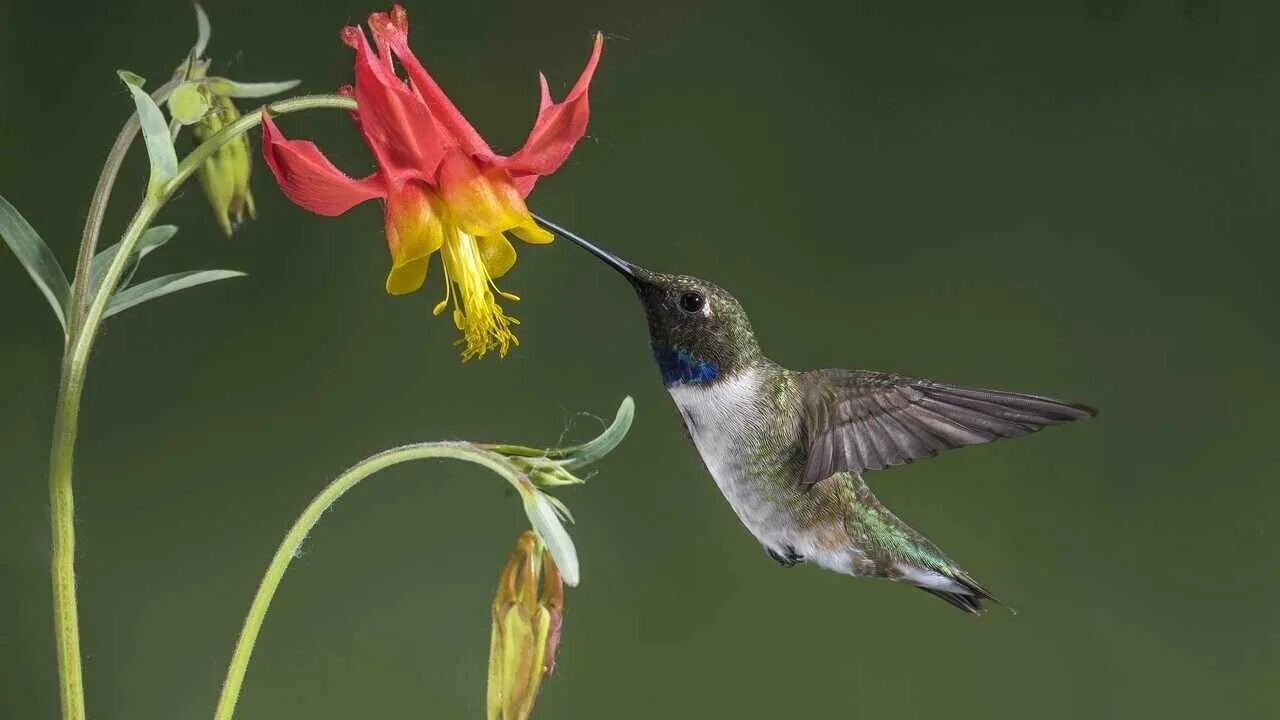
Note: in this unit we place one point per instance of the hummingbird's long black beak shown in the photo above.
(613, 261)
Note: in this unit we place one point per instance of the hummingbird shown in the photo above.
(789, 449)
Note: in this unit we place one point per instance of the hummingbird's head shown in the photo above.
(698, 331)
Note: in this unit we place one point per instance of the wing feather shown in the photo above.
(857, 420)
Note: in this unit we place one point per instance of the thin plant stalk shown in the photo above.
(81, 334)
(297, 535)
(62, 502)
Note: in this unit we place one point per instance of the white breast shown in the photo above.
(715, 416)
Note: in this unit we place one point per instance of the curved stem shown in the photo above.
(292, 542)
(86, 315)
(98, 205)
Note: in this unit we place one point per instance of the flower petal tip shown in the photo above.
(533, 234)
(407, 278)
(351, 36)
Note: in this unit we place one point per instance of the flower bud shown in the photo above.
(526, 630)
(189, 103)
(225, 175)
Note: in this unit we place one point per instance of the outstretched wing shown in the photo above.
(857, 420)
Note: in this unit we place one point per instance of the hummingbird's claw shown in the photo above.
(788, 558)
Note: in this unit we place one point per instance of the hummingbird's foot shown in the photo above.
(788, 558)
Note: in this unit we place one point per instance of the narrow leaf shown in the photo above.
(152, 239)
(166, 285)
(231, 88)
(37, 258)
(580, 455)
(155, 132)
(203, 30)
(583, 455)
(542, 516)
(561, 509)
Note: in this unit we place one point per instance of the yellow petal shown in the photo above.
(532, 233)
(406, 278)
(414, 231)
(497, 253)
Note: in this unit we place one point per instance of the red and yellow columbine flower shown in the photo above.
(443, 188)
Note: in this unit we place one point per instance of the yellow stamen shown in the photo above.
(476, 312)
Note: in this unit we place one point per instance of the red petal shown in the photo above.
(393, 32)
(481, 201)
(309, 179)
(558, 128)
(524, 183)
(399, 18)
(394, 121)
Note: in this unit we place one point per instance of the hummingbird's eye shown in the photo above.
(692, 302)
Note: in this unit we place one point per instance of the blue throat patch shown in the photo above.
(680, 367)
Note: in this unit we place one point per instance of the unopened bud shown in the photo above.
(526, 630)
(225, 175)
(189, 103)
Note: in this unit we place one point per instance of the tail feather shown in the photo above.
(969, 603)
(898, 552)
(968, 598)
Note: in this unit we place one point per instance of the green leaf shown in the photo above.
(37, 258)
(579, 455)
(231, 88)
(155, 132)
(203, 31)
(166, 285)
(561, 509)
(152, 239)
(131, 78)
(546, 522)
(604, 444)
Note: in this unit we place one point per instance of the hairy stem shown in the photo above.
(62, 517)
(292, 542)
(86, 316)
(98, 204)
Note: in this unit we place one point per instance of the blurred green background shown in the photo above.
(1076, 199)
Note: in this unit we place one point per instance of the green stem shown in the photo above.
(86, 316)
(98, 205)
(292, 542)
(62, 517)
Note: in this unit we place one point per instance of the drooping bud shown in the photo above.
(225, 175)
(526, 630)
